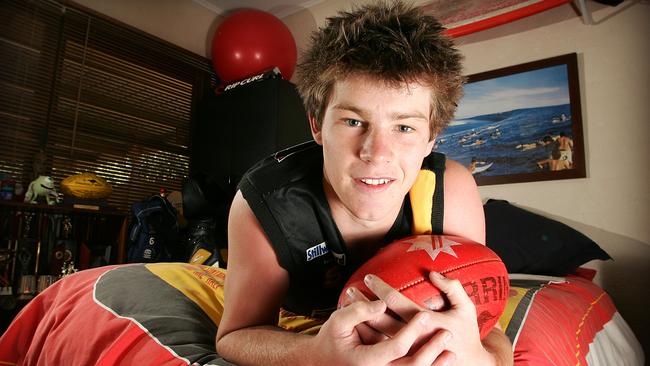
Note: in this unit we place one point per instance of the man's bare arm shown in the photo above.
(498, 344)
(255, 287)
(463, 215)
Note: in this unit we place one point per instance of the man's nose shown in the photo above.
(376, 147)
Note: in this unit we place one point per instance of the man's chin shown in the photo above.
(372, 212)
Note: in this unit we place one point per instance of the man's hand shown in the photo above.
(339, 342)
(459, 320)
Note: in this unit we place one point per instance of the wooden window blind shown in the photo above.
(95, 96)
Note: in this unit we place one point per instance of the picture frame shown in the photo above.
(520, 123)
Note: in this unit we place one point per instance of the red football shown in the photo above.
(405, 265)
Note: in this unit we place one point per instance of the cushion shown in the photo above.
(534, 244)
(591, 332)
(162, 314)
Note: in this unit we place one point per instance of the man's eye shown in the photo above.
(353, 122)
(403, 128)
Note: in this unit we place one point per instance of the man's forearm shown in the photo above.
(499, 346)
(265, 346)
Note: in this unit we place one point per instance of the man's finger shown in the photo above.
(369, 335)
(416, 330)
(395, 301)
(345, 319)
(433, 352)
(384, 323)
(355, 295)
(453, 289)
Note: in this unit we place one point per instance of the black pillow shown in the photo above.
(534, 244)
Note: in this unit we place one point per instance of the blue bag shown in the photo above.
(154, 234)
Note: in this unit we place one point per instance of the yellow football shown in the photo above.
(86, 185)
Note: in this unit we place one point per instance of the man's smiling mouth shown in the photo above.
(375, 182)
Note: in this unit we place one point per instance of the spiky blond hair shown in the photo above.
(391, 42)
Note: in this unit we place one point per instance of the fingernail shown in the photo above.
(350, 291)
(367, 279)
(437, 275)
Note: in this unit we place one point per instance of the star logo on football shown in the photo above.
(435, 247)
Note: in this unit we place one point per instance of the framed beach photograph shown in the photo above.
(521, 123)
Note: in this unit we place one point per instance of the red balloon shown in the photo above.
(249, 42)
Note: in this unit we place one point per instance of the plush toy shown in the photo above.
(42, 186)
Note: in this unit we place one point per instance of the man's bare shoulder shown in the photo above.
(458, 173)
(463, 206)
(246, 235)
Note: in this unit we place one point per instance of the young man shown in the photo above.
(378, 84)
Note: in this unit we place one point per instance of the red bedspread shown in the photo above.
(167, 314)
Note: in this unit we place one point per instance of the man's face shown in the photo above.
(374, 139)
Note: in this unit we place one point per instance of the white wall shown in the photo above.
(611, 205)
(615, 84)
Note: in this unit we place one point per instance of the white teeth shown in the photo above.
(375, 182)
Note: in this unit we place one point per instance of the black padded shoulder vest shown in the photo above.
(285, 192)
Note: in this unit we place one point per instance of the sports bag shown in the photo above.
(154, 234)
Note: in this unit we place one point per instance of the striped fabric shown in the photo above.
(167, 314)
(153, 314)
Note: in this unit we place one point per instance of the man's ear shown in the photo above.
(315, 130)
(431, 143)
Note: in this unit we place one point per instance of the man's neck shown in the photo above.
(363, 238)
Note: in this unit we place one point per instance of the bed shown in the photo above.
(167, 313)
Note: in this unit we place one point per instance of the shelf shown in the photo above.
(39, 229)
(62, 208)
